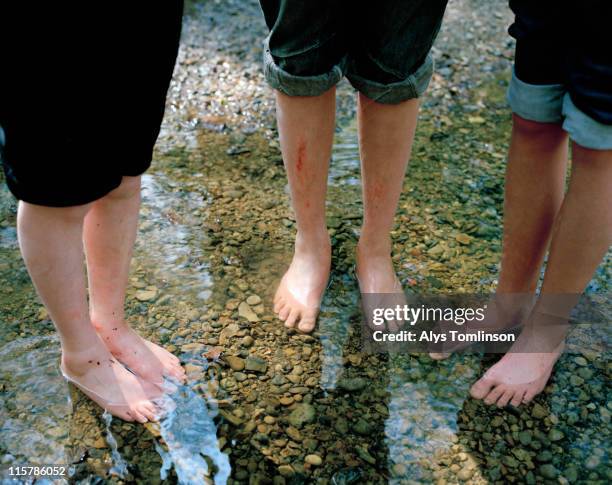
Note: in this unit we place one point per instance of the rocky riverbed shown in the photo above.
(266, 405)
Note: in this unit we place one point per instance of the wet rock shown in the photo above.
(146, 295)
(294, 434)
(228, 332)
(153, 428)
(555, 435)
(548, 471)
(247, 341)
(193, 347)
(465, 474)
(192, 369)
(314, 460)
(581, 361)
(362, 427)
(539, 411)
(347, 476)
(230, 417)
(341, 426)
(525, 437)
(253, 300)
(236, 363)
(352, 384)
(303, 413)
(256, 364)
(245, 311)
(365, 456)
(286, 470)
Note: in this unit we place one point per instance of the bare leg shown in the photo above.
(109, 234)
(582, 235)
(386, 133)
(51, 244)
(538, 152)
(306, 127)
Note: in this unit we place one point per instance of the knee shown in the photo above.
(535, 128)
(129, 188)
(67, 215)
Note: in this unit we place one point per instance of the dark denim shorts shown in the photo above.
(83, 107)
(563, 67)
(382, 47)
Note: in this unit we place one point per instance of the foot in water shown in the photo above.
(301, 289)
(523, 372)
(376, 276)
(146, 359)
(110, 385)
(375, 272)
(503, 312)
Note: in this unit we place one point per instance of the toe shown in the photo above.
(284, 313)
(494, 394)
(176, 373)
(308, 322)
(138, 416)
(148, 410)
(503, 401)
(293, 317)
(529, 395)
(278, 304)
(439, 355)
(481, 388)
(517, 399)
(125, 415)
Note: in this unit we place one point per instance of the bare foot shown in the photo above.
(144, 358)
(376, 276)
(106, 382)
(375, 271)
(503, 312)
(301, 289)
(523, 372)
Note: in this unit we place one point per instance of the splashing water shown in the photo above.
(190, 434)
(120, 466)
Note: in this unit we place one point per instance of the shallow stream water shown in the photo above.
(215, 235)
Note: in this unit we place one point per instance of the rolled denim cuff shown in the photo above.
(542, 103)
(292, 85)
(410, 88)
(583, 129)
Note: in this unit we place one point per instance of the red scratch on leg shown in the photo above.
(301, 156)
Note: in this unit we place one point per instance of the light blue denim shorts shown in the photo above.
(552, 103)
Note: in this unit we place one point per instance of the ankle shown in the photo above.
(102, 322)
(373, 247)
(313, 242)
(78, 361)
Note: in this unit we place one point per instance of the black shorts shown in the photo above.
(82, 94)
(381, 47)
(569, 44)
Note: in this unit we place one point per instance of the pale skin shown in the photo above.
(579, 228)
(306, 127)
(51, 241)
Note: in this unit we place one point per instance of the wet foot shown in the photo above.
(503, 312)
(375, 271)
(376, 276)
(106, 382)
(301, 289)
(146, 359)
(524, 371)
